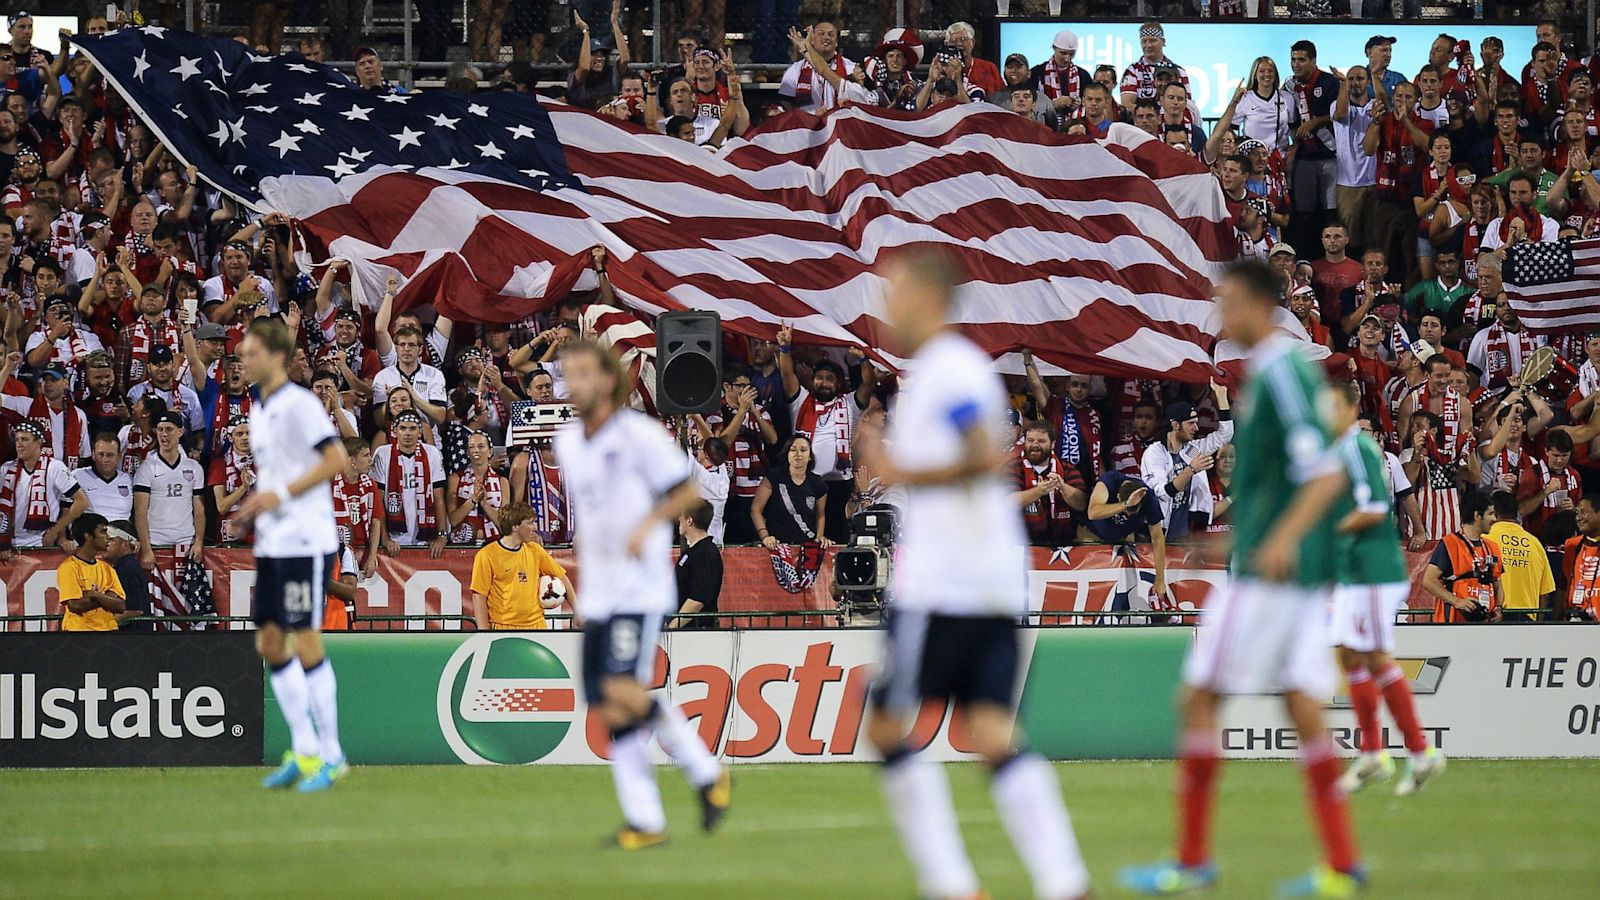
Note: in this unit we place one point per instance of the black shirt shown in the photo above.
(135, 589)
(700, 578)
(798, 526)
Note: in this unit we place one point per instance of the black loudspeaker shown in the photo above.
(688, 362)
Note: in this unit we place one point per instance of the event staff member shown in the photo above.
(1580, 561)
(1528, 583)
(699, 569)
(90, 594)
(1464, 573)
(506, 572)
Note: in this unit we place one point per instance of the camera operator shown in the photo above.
(1464, 573)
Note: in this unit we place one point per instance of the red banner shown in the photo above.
(1063, 581)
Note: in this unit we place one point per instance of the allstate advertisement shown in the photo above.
(1218, 55)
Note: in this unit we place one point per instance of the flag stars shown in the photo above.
(443, 121)
(520, 132)
(477, 109)
(395, 98)
(301, 67)
(308, 126)
(407, 137)
(342, 168)
(254, 90)
(309, 99)
(357, 155)
(140, 64)
(357, 112)
(187, 67)
(490, 151)
(221, 134)
(286, 142)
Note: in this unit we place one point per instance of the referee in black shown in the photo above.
(699, 569)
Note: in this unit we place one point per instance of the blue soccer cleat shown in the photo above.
(324, 777)
(1324, 881)
(1167, 878)
(293, 769)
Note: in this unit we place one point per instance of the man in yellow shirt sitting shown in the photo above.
(1528, 582)
(90, 593)
(505, 575)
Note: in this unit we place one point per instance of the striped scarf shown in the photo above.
(137, 446)
(37, 515)
(143, 337)
(234, 465)
(352, 508)
(547, 498)
(1502, 357)
(396, 496)
(477, 526)
(1449, 411)
(71, 424)
(1080, 438)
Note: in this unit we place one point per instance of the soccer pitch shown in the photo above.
(1485, 829)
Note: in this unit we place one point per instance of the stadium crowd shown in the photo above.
(1385, 200)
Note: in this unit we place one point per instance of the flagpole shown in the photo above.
(410, 79)
(655, 31)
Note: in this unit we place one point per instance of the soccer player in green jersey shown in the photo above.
(1373, 587)
(1265, 629)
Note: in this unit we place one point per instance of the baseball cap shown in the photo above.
(1371, 317)
(53, 370)
(160, 354)
(171, 418)
(1282, 247)
(1017, 58)
(1377, 39)
(1249, 144)
(210, 331)
(1181, 411)
(363, 53)
(1065, 40)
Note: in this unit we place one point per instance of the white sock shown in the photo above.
(919, 801)
(683, 744)
(1028, 796)
(635, 779)
(325, 708)
(289, 687)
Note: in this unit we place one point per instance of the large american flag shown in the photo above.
(1097, 255)
(1555, 285)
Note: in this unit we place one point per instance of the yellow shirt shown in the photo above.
(1527, 576)
(510, 581)
(74, 577)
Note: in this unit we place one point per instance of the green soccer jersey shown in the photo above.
(1370, 556)
(1281, 440)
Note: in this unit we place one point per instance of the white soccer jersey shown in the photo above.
(613, 479)
(112, 499)
(410, 475)
(426, 382)
(961, 545)
(23, 406)
(288, 430)
(172, 489)
(59, 489)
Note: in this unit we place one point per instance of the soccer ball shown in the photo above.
(552, 593)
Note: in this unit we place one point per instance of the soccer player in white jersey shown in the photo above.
(296, 454)
(959, 585)
(628, 482)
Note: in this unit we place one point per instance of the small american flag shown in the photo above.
(1555, 285)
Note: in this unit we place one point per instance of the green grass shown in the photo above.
(1504, 829)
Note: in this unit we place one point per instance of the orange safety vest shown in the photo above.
(1474, 570)
(1580, 560)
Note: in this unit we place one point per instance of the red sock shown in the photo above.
(1364, 699)
(1397, 695)
(1200, 758)
(1327, 804)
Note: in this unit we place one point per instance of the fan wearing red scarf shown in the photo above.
(476, 495)
(39, 497)
(1522, 221)
(232, 478)
(411, 476)
(355, 503)
(66, 428)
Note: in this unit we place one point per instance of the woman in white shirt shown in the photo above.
(1261, 107)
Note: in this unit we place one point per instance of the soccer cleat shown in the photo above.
(1166, 878)
(630, 838)
(1416, 771)
(714, 800)
(1367, 768)
(325, 776)
(1324, 881)
(293, 769)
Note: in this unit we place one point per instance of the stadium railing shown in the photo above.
(722, 621)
